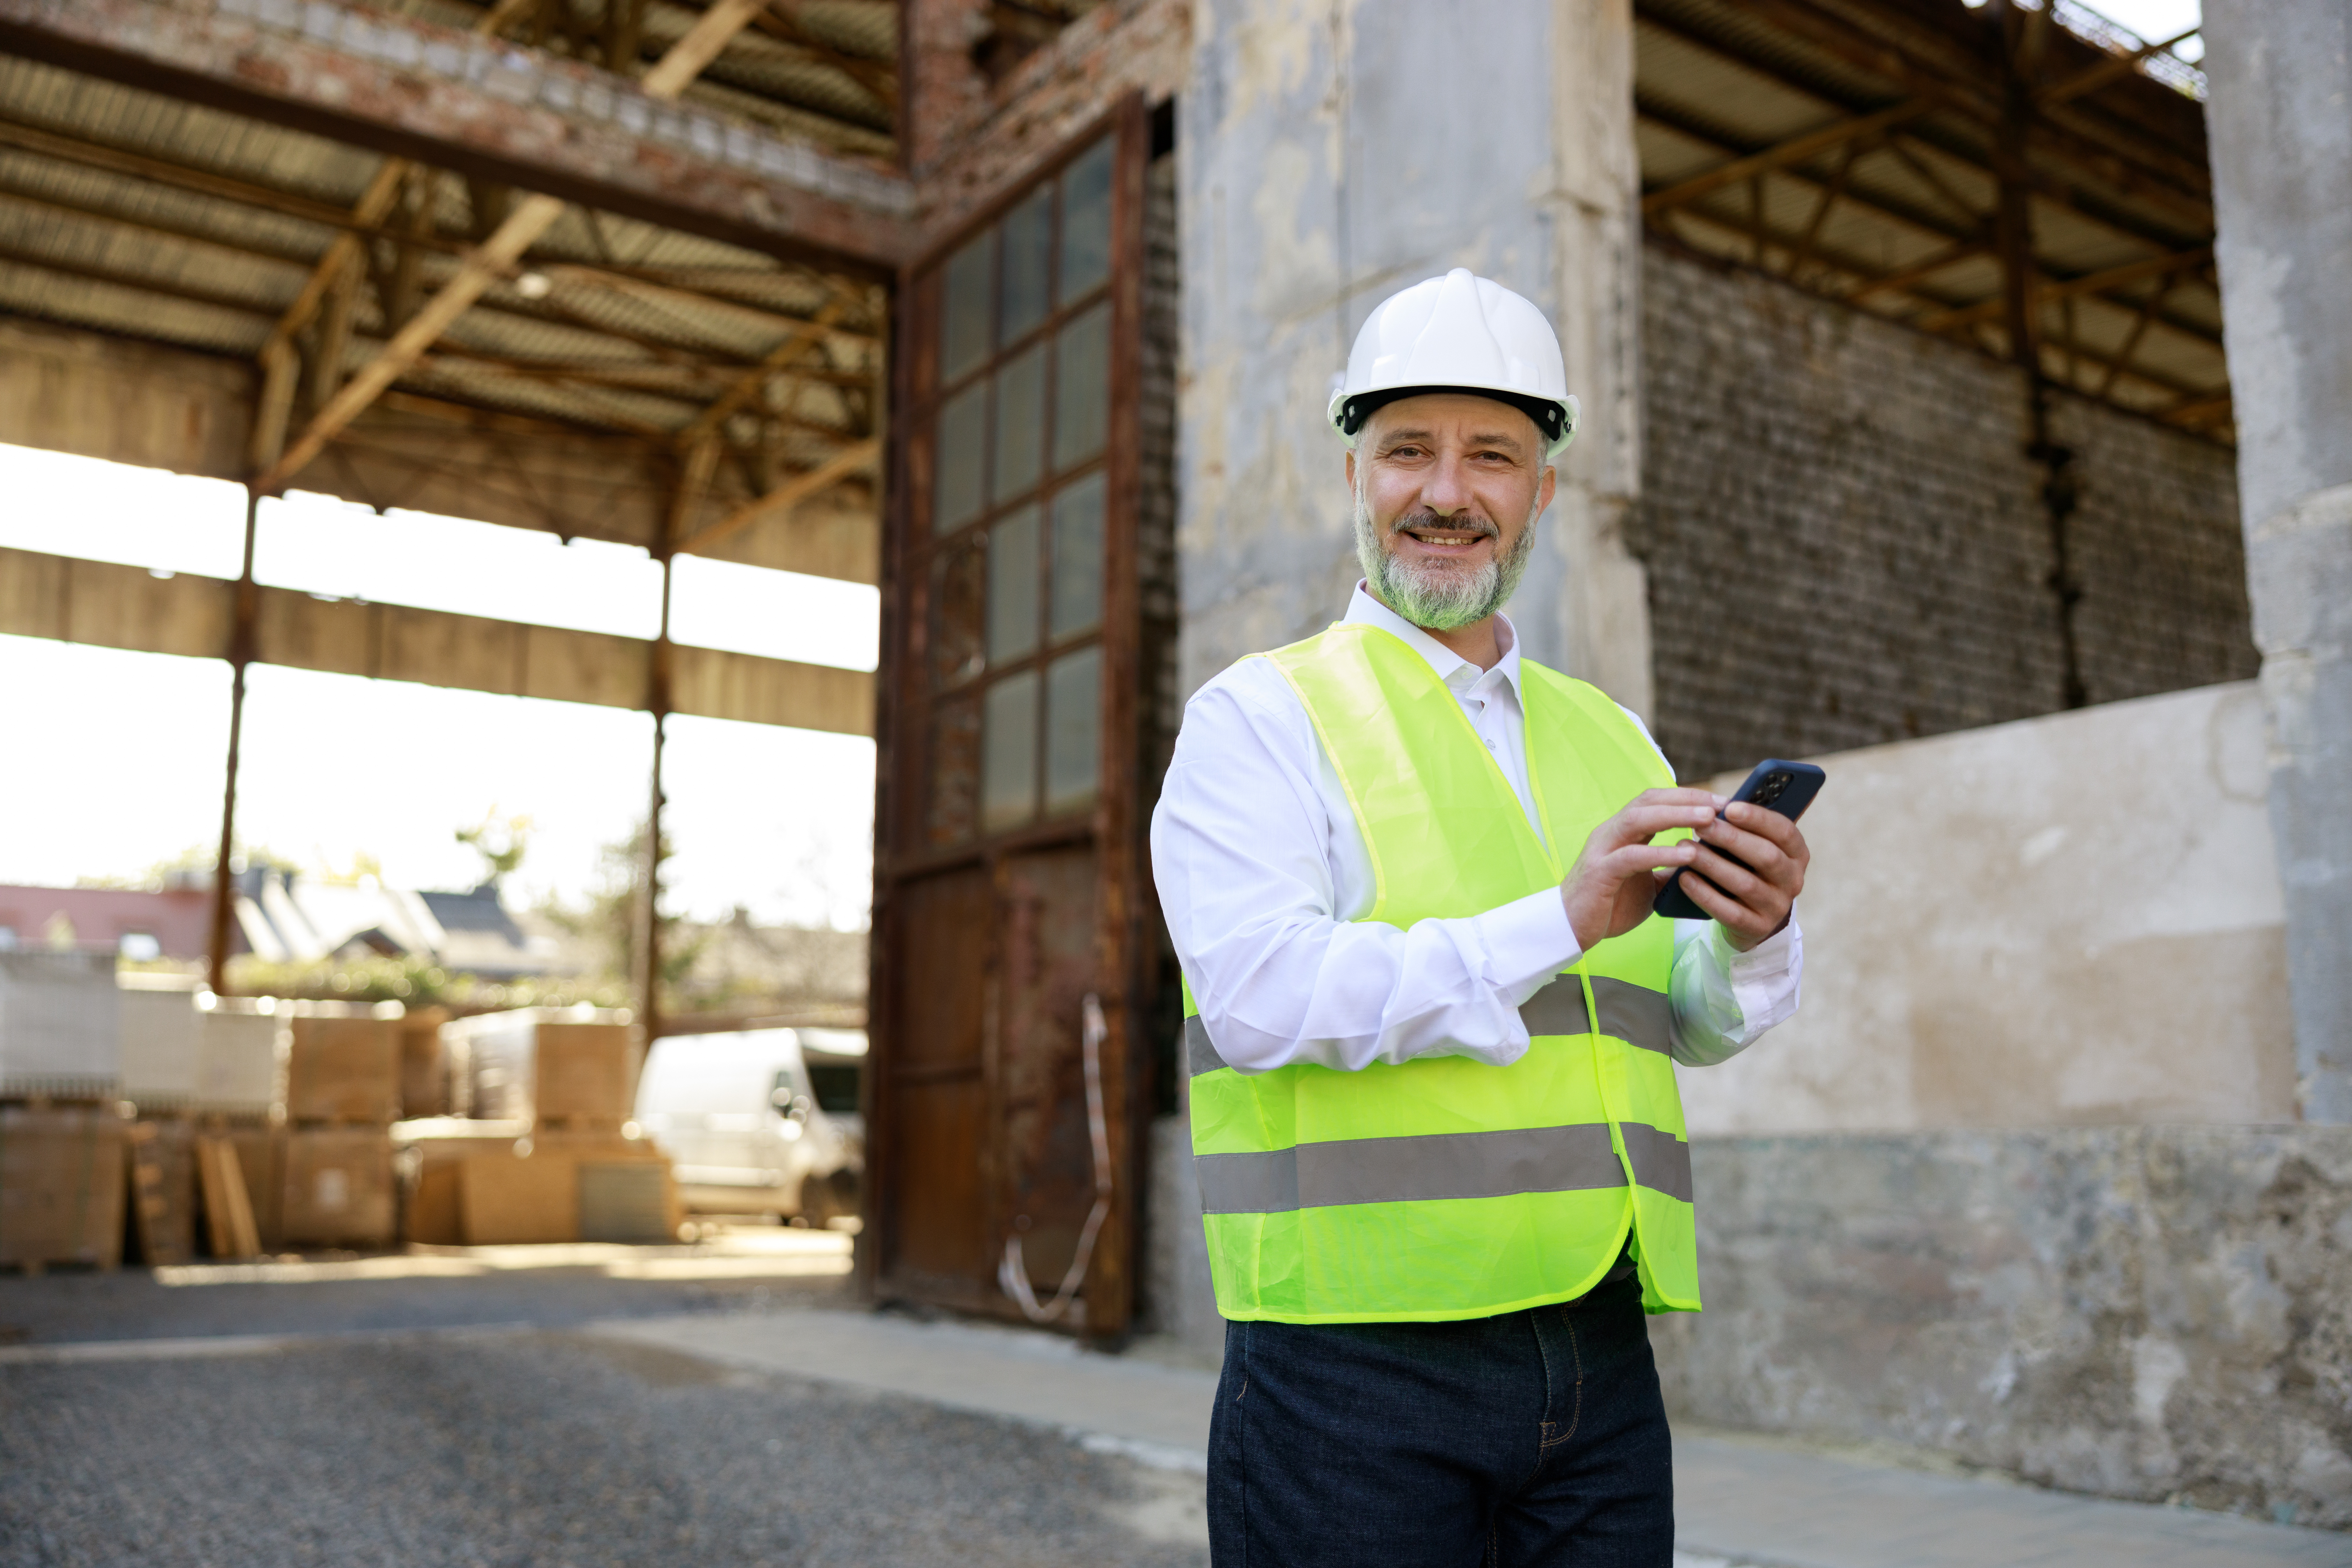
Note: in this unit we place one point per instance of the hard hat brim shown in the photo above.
(1555, 419)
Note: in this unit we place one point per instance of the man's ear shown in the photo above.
(1545, 486)
(1351, 472)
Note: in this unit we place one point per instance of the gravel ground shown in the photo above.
(131, 1303)
(547, 1448)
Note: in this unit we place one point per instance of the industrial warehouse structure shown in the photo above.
(1909, 437)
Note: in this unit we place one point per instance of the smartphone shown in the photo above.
(1785, 787)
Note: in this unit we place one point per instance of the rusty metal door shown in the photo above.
(1008, 820)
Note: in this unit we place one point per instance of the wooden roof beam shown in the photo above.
(565, 128)
(780, 502)
(2093, 283)
(2105, 72)
(647, 281)
(530, 218)
(2192, 209)
(1795, 150)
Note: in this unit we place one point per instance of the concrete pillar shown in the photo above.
(2281, 76)
(1333, 154)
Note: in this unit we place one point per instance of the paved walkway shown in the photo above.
(1739, 1501)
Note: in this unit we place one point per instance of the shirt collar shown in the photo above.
(1451, 667)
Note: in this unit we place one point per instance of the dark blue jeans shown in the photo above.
(1537, 1438)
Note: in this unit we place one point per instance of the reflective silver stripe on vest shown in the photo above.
(1634, 1013)
(1200, 1051)
(1577, 1158)
(1661, 1160)
(1556, 1009)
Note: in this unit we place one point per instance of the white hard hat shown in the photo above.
(1460, 332)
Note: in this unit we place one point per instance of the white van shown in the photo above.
(760, 1121)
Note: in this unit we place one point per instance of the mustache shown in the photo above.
(1462, 522)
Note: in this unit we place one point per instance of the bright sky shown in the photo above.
(118, 757)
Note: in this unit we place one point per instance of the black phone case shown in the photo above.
(1794, 796)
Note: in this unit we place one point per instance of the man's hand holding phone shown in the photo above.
(1750, 893)
(1750, 863)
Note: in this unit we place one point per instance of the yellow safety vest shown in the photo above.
(1444, 1188)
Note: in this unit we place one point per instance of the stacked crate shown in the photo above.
(548, 1154)
(343, 1095)
(62, 1137)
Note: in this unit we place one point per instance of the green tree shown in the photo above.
(500, 842)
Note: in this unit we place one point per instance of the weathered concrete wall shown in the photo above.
(2143, 1313)
(2280, 71)
(1313, 185)
(1846, 542)
(2057, 921)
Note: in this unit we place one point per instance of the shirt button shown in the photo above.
(1490, 745)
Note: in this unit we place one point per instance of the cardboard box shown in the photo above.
(423, 1068)
(505, 1199)
(155, 1048)
(549, 1194)
(61, 1186)
(582, 1073)
(60, 1029)
(571, 1064)
(437, 1149)
(627, 1200)
(343, 1070)
(338, 1187)
(240, 1055)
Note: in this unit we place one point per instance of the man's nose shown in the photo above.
(1447, 490)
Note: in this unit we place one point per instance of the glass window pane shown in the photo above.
(964, 436)
(1077, 603)
(958, 599)
(1008, 786)
(1082, 387)
(1013, 585)
(951, 815)
(1020, 423)
(1028, 253)
(1085, 222)
(1073, 730)
(964, 312)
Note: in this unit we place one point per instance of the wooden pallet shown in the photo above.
(152, 1210)
(228, 1207)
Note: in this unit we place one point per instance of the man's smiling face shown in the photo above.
(1448, 487)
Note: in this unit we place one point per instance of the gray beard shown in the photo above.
(1430, 596)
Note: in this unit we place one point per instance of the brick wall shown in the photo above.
(1847, 545)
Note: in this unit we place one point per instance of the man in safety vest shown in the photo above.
(1430, 1024)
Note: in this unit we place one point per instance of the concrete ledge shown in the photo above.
(2152, 1313)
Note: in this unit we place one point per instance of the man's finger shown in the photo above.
(1734, 879)
(1760, 855)
(1677, 797)
(1728, 910)
(1633, 858)
(1761, 820)
(1636, 823)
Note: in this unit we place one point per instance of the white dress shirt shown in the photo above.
(1265, 880)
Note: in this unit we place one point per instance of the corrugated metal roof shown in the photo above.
(133, 212)
(1901, 220)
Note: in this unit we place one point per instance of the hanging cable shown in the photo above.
(1011, 1273)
